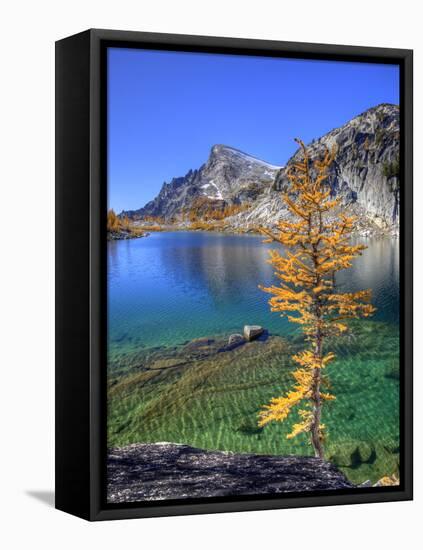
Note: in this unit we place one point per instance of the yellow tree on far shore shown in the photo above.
(113, 223)
(317, 245)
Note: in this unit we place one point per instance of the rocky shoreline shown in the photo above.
(166, 471)
(362, 230)
(124, 235)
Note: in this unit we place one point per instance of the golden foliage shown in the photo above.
(317, 246)
(158, 220)
(206, 226)
(115, 224)
(147, 228)
(388, 481)
(208, 211)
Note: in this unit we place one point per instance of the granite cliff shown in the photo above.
(366, 167)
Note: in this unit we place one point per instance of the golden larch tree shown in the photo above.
(113, 223)
(316, 242)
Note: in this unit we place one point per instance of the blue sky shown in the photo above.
(167, 109)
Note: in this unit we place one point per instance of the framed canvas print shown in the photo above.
(234, 274)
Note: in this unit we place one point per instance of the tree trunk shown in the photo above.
(316, 399)
(317, 415)
(316, 440)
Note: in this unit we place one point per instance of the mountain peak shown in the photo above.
(228, 177)
(384, 107)
(381, 110)
(229, 151)
(219, 147)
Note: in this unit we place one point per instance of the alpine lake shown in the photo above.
(174, 298)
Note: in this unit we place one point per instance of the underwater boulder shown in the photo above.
(251, 332)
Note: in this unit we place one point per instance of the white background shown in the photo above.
(28, 31)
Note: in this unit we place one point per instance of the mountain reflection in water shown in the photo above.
(172, 287)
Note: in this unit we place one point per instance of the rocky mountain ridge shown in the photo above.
(365, 174)
(228, 177)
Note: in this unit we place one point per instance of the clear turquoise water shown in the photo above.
(172, 287)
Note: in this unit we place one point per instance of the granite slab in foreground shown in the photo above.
(145, 472)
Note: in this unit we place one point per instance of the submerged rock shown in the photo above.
(161, 471)
(235, 340)
(251, 332)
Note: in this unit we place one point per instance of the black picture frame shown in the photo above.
(81, 316)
